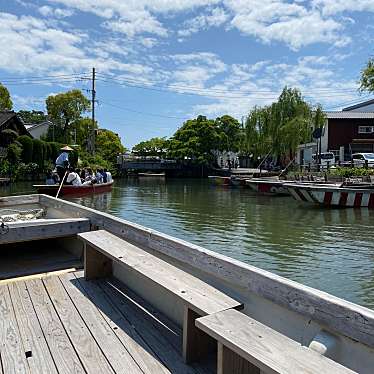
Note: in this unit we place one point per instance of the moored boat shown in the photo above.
(151, 175)
(268, 186)
(218, 180)
(74, 190)
(333, 195)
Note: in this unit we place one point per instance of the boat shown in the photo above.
(218, 180)
(267, 186)
(333, 195)
(70, 190)
(85, 291)
(152, 175)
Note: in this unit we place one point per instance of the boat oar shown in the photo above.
(62, 182)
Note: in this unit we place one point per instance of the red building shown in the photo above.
(348, 131)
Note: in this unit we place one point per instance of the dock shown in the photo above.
(64, 324)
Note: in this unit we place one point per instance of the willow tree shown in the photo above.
(280, 127)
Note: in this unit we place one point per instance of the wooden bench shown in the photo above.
(198, 297)
(245, 346)
(15, 232)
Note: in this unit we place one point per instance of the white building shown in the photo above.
(39, 129)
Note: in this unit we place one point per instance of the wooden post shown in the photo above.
(96, 265)
(196, 344)
(228, 362)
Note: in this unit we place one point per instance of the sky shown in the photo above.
(161, 62)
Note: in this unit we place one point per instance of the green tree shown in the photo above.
(152, 147)
(27, 148)
(367, 77)
(64, 109)
(8, 136)
(196, 140)
(13, 156)
(109, 146)
(32, 116)
(82, 128)
(280, 127)
(230, 132)
(38, 153)
(5, 100)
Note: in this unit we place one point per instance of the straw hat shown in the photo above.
(66, 148)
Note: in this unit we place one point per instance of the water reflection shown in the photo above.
(332, 250)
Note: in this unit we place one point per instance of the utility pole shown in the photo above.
(93, 92)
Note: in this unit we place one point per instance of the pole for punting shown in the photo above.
(93, 92)
(62, 182)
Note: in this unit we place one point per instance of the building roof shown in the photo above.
(360, 105)
(10, 118)
(5, 116)
(349, 115)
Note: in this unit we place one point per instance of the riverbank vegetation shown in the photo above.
(276, 129)
(27, 157)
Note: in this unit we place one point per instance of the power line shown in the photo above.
(141, 112)
(207, 92)
(195, 88)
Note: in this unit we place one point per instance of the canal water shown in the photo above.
(330, 249)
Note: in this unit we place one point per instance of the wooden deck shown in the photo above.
(64, 324)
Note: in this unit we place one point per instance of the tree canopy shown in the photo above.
(34, 116)
(64, 109)
(109, 146)
(152, 147)
(196, 140)
(280, 127)
(367, 77)
(5, 100)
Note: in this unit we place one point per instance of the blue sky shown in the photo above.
(160, 62)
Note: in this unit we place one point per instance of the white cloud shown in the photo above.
(134, 17)
(330, 7)
(216, 17)
(248, 85)
(48, 11)
(290, 23)
(35, 46)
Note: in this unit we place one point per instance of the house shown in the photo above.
(38, 130)
(9, 120)
(348, 131)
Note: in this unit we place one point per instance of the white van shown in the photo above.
(359, 159)
(327, 158)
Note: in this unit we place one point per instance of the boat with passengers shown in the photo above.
(86, 292)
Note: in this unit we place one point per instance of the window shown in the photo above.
(365, 129)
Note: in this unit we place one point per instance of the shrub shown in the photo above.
(27, 148)
(37, 155)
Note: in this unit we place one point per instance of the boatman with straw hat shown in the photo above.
(62, 161)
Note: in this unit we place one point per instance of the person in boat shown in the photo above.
(62, 161)
(109, 177)
(73, 178)
(98, 177)
(103, 173)
(49, 178)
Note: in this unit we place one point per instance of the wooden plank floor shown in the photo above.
(64, 324)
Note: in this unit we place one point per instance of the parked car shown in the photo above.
(360, 159)
(327, 158)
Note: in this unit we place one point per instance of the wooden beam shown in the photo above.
(44, 229)
(228, 362)
(96, 265)
(196, 344)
